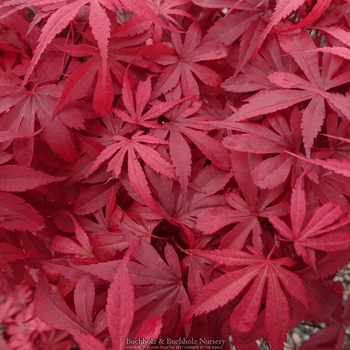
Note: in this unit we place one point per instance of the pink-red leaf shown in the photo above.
(120, 304)
(257, 271)
(51, 308)
(18, 215)
(318, 233)
(16, 178)
(282, 10)
(58, 21)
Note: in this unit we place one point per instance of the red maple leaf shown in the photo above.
(295, 89)
(125, 45)
(245, 21)
(156, 280)
(261, 277)
(182, 210)
(252, 76)
(276, 137)
(60, 17)
(22, 111)
(246, 210)
(136, 111)
(184, 66)
(184, 122)
(131, 147)
(166, 12)
(129, 171)
(319, 233)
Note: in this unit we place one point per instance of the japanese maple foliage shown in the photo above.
(173, 169)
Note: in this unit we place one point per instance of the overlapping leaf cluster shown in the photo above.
(174, 169)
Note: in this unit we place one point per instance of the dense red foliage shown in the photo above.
(173, 169)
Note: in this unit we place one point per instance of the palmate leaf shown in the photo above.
(130, 147)
(109, 69)
(182, 211)
(294, 89)
(159, 291)
(318, 234)
(144, 9)
(183, 123)
(137, 113)
(230, 27)
(184, 66)
(245, 21)
(253, 74)
(258, 272)
(60, 19)
(168, 12)
(246, 210)
(274, 138)
(24, 109)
